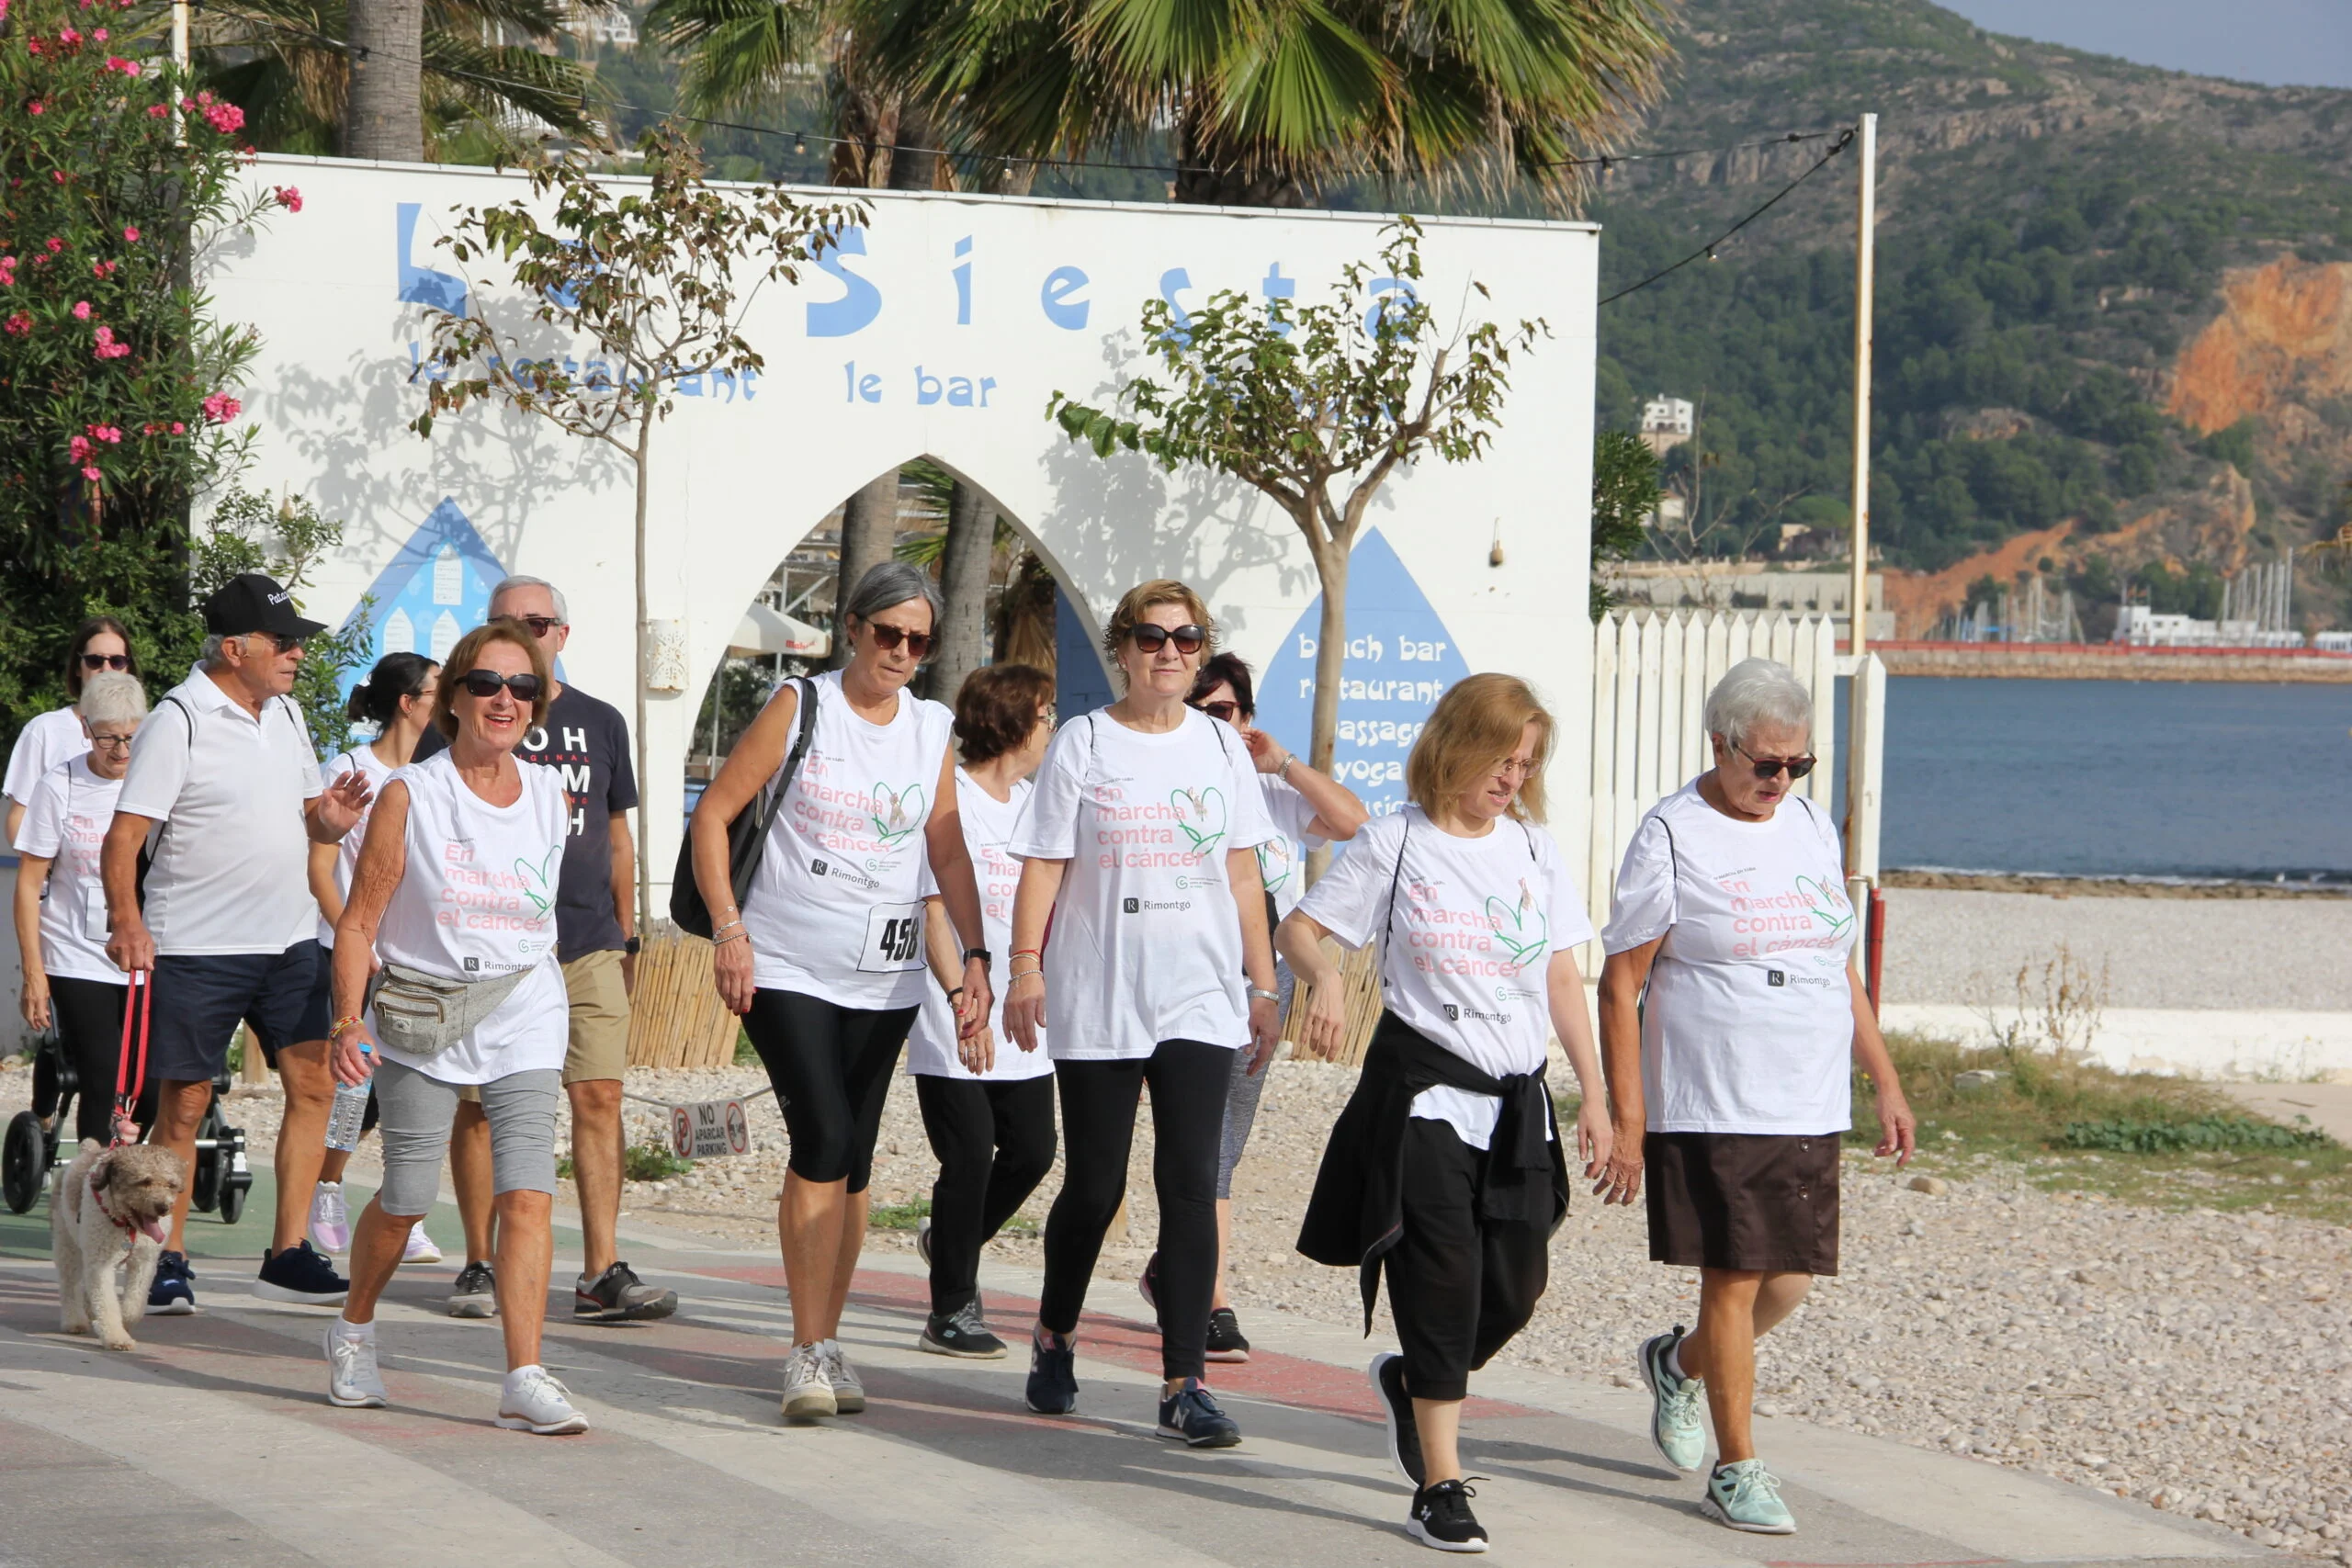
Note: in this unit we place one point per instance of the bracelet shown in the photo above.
(739, 936)
(1025, 953)
(352, 1021)
(1025, 974)
(1259, 994)
(1282, 772)
(729, 926)
(953, 994)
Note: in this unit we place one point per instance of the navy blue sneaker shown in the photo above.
(1191, 1415)
(302, 1275)
(1388, 1373)
(1053, 1374)
(172, 1293)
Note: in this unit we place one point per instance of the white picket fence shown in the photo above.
(1651, 673)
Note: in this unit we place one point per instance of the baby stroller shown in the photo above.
(31, 1150)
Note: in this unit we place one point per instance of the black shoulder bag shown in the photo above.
(747, 835)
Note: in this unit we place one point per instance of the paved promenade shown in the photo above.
(214, 1445)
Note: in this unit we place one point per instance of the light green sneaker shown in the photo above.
(1675, 1427)
(1746, 1496)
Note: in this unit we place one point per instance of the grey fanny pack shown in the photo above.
(426, 1014)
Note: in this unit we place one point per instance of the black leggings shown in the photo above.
(89, 1026)
(995, 1142)
(1188, 1081)
(831, 1066)
(1459, 1285)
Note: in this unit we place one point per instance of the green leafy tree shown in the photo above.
(657, 280)
(1624, 493)
(118, 401)
(1316, 408)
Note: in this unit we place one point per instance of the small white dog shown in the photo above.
(112, 1202)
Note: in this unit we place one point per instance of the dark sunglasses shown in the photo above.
(888, 639)
(1771, 767)
(540, 625)
(1226, 711)
(1151, 637)
(283, 644)
(487, 683)
(105, 661)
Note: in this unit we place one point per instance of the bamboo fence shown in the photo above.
(676, 1018)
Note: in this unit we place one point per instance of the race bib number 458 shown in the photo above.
(893, 939)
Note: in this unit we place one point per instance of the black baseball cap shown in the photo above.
(252, 602)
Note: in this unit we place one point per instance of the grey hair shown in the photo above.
(112, 697)
(210, 654)
(1757, 692)
(562, 611)
(888, 584)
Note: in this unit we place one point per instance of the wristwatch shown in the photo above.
(981, 954)
(630, 946)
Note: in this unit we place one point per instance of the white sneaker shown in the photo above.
(352, 1380)
(808, 1391)
(849, 1393)
(532, 1401)
(330, 1227)
(420, 1248)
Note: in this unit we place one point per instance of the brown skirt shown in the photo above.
(1758, 1202)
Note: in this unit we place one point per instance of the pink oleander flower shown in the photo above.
(98, 33)
(68, 36)
(220, 408)
(130, 234)
(179, 429)
(78, 449)
(54, 244)
(110, 433)
(36, 107)
(290, 199)
(156, 111)
(7, 269)
(81, 310)
(57, 175)
(92, 474)
(102, 269)
(226, 118)
(127, 67)
(18, 324)
(32, 46)
(108, 346)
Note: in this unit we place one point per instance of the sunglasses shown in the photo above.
(1226, 711)
(888, 639)
(487, 683)
(105, 661)
(1151, 637)
(540, 625)
(1768, 768)
(283, 644)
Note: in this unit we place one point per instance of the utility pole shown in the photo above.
(1865, 262)
(1866, 696)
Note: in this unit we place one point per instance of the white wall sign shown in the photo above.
(939, 330)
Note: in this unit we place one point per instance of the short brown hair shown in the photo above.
(1150, 595)
(1475, 724)
(997, 709)
(462, 659)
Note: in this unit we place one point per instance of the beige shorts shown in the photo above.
(599, 1020)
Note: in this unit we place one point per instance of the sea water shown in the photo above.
(2133, 778)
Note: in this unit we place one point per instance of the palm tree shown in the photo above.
(432, 70)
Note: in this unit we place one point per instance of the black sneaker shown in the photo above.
(1441, 1517)
(1192, 1415)
(1226, 1342)
(172, 1291)
(1053, 1374)
(301, 1274)
(922, 1240)
(960, 1333)
(476, 1293)
(1147, 1284)
(1387, 1374)
(617, 1295)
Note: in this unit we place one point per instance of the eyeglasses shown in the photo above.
(105, 661)
(1226, 711)
(111, 742)
(888, 639)
(1151, 637)
(1768, 768)
(487, 683)
(283, 644)
(540, 625)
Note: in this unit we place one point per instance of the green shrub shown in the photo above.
(897, 1216)
(2121, 1136)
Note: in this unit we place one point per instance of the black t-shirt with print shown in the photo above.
(587, 741)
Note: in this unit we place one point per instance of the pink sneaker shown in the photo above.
(330, 1228)
(420, 1247)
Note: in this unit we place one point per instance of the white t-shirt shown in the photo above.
(65, 823)
(1749, 1023)
(45, 742)
(1465, 938)
(476, 900)
(360, 760)
(1145, 941)
(987, 828)
(1281, 860)
(835, 910)
(231, 855)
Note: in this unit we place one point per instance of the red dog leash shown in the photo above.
(130, 1084)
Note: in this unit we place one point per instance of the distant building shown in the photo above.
(1742, 585)
(2140, 626)
(1667, 423)
(2333, 642)
(612, 26)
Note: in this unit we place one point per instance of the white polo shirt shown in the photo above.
(230, 858)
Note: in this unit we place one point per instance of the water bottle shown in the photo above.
(350, 1108)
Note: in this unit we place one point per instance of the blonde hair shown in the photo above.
(1150, 595)
(462, 659)
(1475, 724)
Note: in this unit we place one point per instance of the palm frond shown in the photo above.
(735, 53)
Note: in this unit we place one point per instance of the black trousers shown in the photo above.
(994, 1143)
(1188, 1081)
(1459, 1286)
(830, 1066)
(90, 1027)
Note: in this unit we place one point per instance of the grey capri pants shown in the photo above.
(415, 1111)
(1241, 1097)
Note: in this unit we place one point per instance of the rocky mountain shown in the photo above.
(2115, 304)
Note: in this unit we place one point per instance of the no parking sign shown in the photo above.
(709, 1128)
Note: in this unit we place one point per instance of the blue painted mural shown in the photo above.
(435, 590)
(1401, 659)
